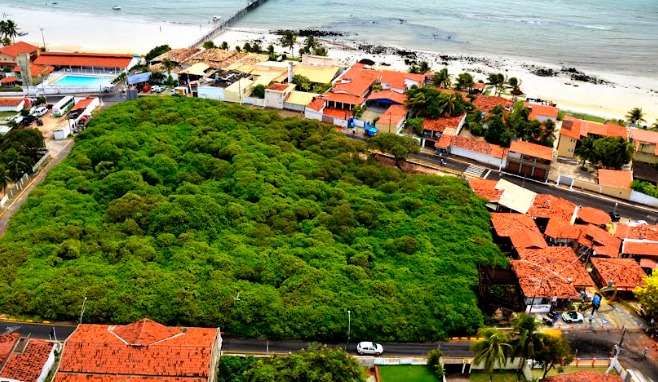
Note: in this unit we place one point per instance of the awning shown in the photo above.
(198, 69)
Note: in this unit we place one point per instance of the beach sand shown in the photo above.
(84, 32)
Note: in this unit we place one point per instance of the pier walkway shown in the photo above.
(227, 22)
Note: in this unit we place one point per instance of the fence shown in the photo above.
(20, 185)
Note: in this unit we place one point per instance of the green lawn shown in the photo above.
(497, 377)
(571, 369)
(586, 117)
(406, 373)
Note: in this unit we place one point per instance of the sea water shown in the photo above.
(605, 35)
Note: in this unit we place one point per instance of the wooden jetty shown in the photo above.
(227, 22)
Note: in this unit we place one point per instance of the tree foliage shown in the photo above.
(609, 152)
(288, 40)
(258, 91)
(20, 149)
(500, 127)
(491, 349)
(317, 364)
(158, 50)
(647, 295)
(554, 351)
(432, 103)
(169, 207)
(400, 146)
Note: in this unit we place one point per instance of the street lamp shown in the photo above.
(43, 39)
(349, 325)
(82, 311)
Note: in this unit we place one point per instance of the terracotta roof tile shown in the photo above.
(14, 50)
(83, 103)
(558, 228)
(540, 281)
(486, 103)
(443, 123)
(639, 247)
(559, 259)
(528, 239)
(28, 365)
(642, 231)
(648, 263)
(397, 79)
(337, 113)
(393, 115)
(550, 206)
(642, 135)
(317, 104)
(65, 377)
(156, 350)
(608, 130)
(343, 98)
(444, 142)
(625, 273)
(479, 146)
(615, 178)
(570, 129)
(36, 70)
(541, 110)
(177, 55)
(593, 216)
(532, 149)
(601, 240)
(8, 80)
(505, 224)
(7, 343)
(356, 80)
(584, 376)
(389, 95)
(278, 87)
(12, 102)
(84, 59)
(485, 188)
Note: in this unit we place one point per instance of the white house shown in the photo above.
(12, 104)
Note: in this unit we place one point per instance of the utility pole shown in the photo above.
(43, 39)
(623, 333)
(82, 311)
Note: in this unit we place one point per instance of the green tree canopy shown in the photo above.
(288, 40)
(155, 52)
(554, 351)
(647, 295)
(492, 349)
(400, 146)
(635, 116)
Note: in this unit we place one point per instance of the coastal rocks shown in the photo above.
(566, 72)
(311, 32)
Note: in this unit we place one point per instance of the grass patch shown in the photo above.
(5, 114)
(586, 117)
(571, 369)
(505, 376)
(407, 373)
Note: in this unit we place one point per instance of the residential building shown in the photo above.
(37, 72)
(541, 112)
(13, 104)
(433, 129)
(641, 231)
(144, 351)
(9, 53)
(23, 359)
(549, 207)
(485, 189)
(595, 241)
(514, 198)
(589, 215)
(276, 94)
(568, 139)
(114, 63)
(625, 274)
(646, 145)
(475, 149)
(392, 121)
(561, 232)
(487, 103)
(616, 182)
(9, 82)
(529, 160)
(645, 252)
(505, 225)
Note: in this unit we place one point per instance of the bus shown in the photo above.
(64, 105)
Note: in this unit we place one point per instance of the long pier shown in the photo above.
(225, 23)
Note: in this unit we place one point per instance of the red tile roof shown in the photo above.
(604, 243)
(639, 247)
(142, 349)
(570, 128)
(625, 273)
(388, 95)
(12, 102)
(540, 281)
(123, 378)
(541, 110)
(528, 239)
(14, 50)
(593, 216)
(8, 80)
(615, 178)
(485, 188)
(475, 145)
(337, 113)
(608, 130)
(642, 231)
(83, 103)
(553, 207)
(562, 260)
(443, 142)
(648, 263)
(644, 136)
(317, 104)
(278, 87)
(107, 60)
(443, 123)
(486, 103)
(36, 70)
(393, 116)
(558, 228)
(584, 376)
(397, 79)
(343, 98)
(505, 224)
(24, 366)
(355, 81)
(532, 149)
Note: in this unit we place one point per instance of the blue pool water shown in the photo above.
(83, 81)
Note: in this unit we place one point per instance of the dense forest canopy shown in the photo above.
(169, 208)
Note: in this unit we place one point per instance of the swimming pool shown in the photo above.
(83, 81)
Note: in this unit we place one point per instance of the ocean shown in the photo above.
(617, 36)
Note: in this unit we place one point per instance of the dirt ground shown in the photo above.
(51, 124)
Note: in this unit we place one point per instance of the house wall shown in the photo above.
(13, 108)
(566, 146)
(254, 101)
(6, 58)
(211, 92)
(48, 365)
(646, 154)
(274, 99)
(215, 354)
(622, 193)
(479, 157)
(312, 114)
(294, 107)
(641, 198)
(390, 128)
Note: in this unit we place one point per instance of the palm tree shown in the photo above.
(585, 151)
(497, 80)
(5, 178)
(416, 101)
(464, 82)
(491, 348)
(16, 163)
(635, 115)
(526, 337)
(515, 86)
(167, 65)
(9, 29)
(450, 103)
(442, 78)
(288, 40)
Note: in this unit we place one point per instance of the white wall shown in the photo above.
(254, 101)
(13, 108)
(482, 158)
(274, 99)
(49, 364)
(211, 92)
(294, 107)
(645, 199)
(312, 114)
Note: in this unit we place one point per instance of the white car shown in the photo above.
(572, 316)
(157, 89)
(40, 111)
(369, 348)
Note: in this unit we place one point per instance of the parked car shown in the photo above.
(158, 89)
(27, 120)
(39, 122)
(551, 318)
(369, 348)
(40, 111)
(572, 316)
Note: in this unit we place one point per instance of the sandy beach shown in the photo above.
(84, 32)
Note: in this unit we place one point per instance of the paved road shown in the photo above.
(41, 331)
